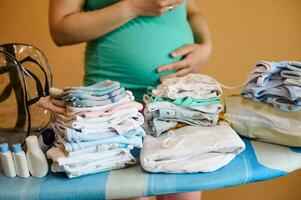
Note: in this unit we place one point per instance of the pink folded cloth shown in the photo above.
(45, 102)
(93, 114)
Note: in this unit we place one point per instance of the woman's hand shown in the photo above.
(153, 7)
(195, 56)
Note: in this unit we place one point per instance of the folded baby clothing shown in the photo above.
(162, 116)
(71, 110)
(89, 163)
(275, 83)
(262, 122)
(99, 89)
(98, 128)
(134, 140)
(185, 135)
(196, 86)
(46, 103)
(296, 75)
(270, 83)
(71, 135)
(187, 101)
(191, 149)
(193, 100)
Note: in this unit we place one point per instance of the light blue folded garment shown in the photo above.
(264, 70)
(252, 90)
(91, 103)
(72, 135)
(89, 92)
(294, 66)
(102, 86)
(79, 95)
(288, 74)
(268, 83)
(281, 96)
(136, 141)
(109, 88)
(284, 104)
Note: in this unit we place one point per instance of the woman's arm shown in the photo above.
(70, 24)
(195, 55)
(198, 24)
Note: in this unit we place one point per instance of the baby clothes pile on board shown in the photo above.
(276, 83)
(191, 100)
(101, 125)
(182, 114)
(270, 83)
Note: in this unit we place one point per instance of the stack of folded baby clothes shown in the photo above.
(276, 83)
(182, 116)
(102, 123)
(270, 83)
(190, 100)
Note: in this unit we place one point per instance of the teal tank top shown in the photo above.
(132, 53)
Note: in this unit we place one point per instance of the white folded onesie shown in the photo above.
(89, 163)
(191, 149)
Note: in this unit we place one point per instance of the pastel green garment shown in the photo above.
(132, 53)
(188, 101)
(263, 122)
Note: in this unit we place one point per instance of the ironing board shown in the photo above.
(260, 161)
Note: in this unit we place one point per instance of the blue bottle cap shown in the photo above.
(4, 148)
(17, 148)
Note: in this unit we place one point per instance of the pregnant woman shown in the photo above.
(136, 42)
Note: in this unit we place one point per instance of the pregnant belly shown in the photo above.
(136, 56)
(132, 53)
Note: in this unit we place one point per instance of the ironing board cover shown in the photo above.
(260, 161)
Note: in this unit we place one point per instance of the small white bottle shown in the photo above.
(7, 161)
(20, 161)
(36, 159)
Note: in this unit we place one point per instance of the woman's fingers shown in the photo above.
(190, 63)
(179, 73)
(172, 66)
(184, 50)
(167, 5)
(177, 2)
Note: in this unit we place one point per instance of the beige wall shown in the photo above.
(27, 22)
(243, 31)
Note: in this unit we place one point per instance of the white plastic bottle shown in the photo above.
(36, 159)
(7, 161)
(20, 161)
